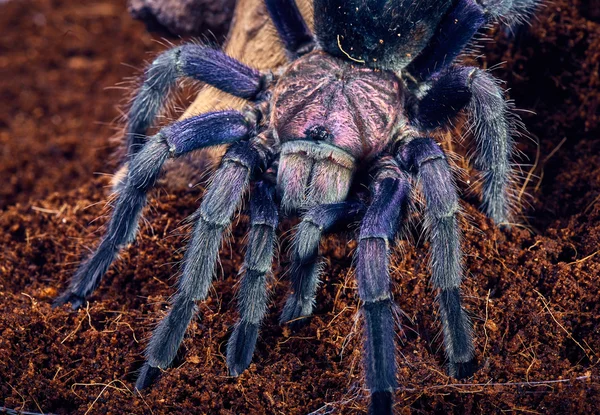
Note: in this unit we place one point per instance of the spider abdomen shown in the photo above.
(329, 115)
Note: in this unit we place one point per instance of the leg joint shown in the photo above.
(310, 222)
(419, 152)
(244, 154)
(372, 269)
(306, 242)
(379, 303)
(147, 164)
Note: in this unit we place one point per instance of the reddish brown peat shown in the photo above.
(533, 293)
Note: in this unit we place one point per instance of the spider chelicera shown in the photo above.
(337, 135)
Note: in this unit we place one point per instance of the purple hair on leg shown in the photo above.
(293, 31)
(212, 218)
(305, 267)
(491, 120)
(253, 295)
(173, 141)
(425, 158)
(453, 33)
(390, 194)
(201, 63)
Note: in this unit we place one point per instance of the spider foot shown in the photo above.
(381, 403)
(147, 376)
(296, 312)
(240, 347)
(69, 297)
(461, 370)
(504, 226)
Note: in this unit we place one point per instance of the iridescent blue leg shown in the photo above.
(222, 199)
(305, 267)
(426, 160)
(478, 91)
(253, 295)
(454, 32)
(193, 61)
(390, 194)
(173, 141)
(457, 29)
(293, 32)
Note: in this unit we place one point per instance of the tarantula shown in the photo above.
(337, 135)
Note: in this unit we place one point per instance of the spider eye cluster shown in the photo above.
(386, 34)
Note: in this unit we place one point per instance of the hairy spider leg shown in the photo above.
(454, 32)
(222, 199)
(306, 267)
(425, 158)
(509, 11)
(492, 130)
(193, 61)
(253, 294)
(491, 123)
(457, 29)
(291, 27)
(205, 130)
(390, 195)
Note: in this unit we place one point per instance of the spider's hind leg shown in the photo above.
(458, 28)
(193, 61)
(425, 158)
(210, 129)
(480, 93)
(293, 31)
(511, 11)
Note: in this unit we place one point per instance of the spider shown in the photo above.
(340, 134)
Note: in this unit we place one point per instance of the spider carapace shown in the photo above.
(331, 117)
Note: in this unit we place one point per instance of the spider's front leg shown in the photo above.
(253, 296)
(390, 193)
(425, 158)
(478, 91)
(305, 267)
(205, 130)
(198, 62)
(213, 217)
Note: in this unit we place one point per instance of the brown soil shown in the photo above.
(533, 291)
